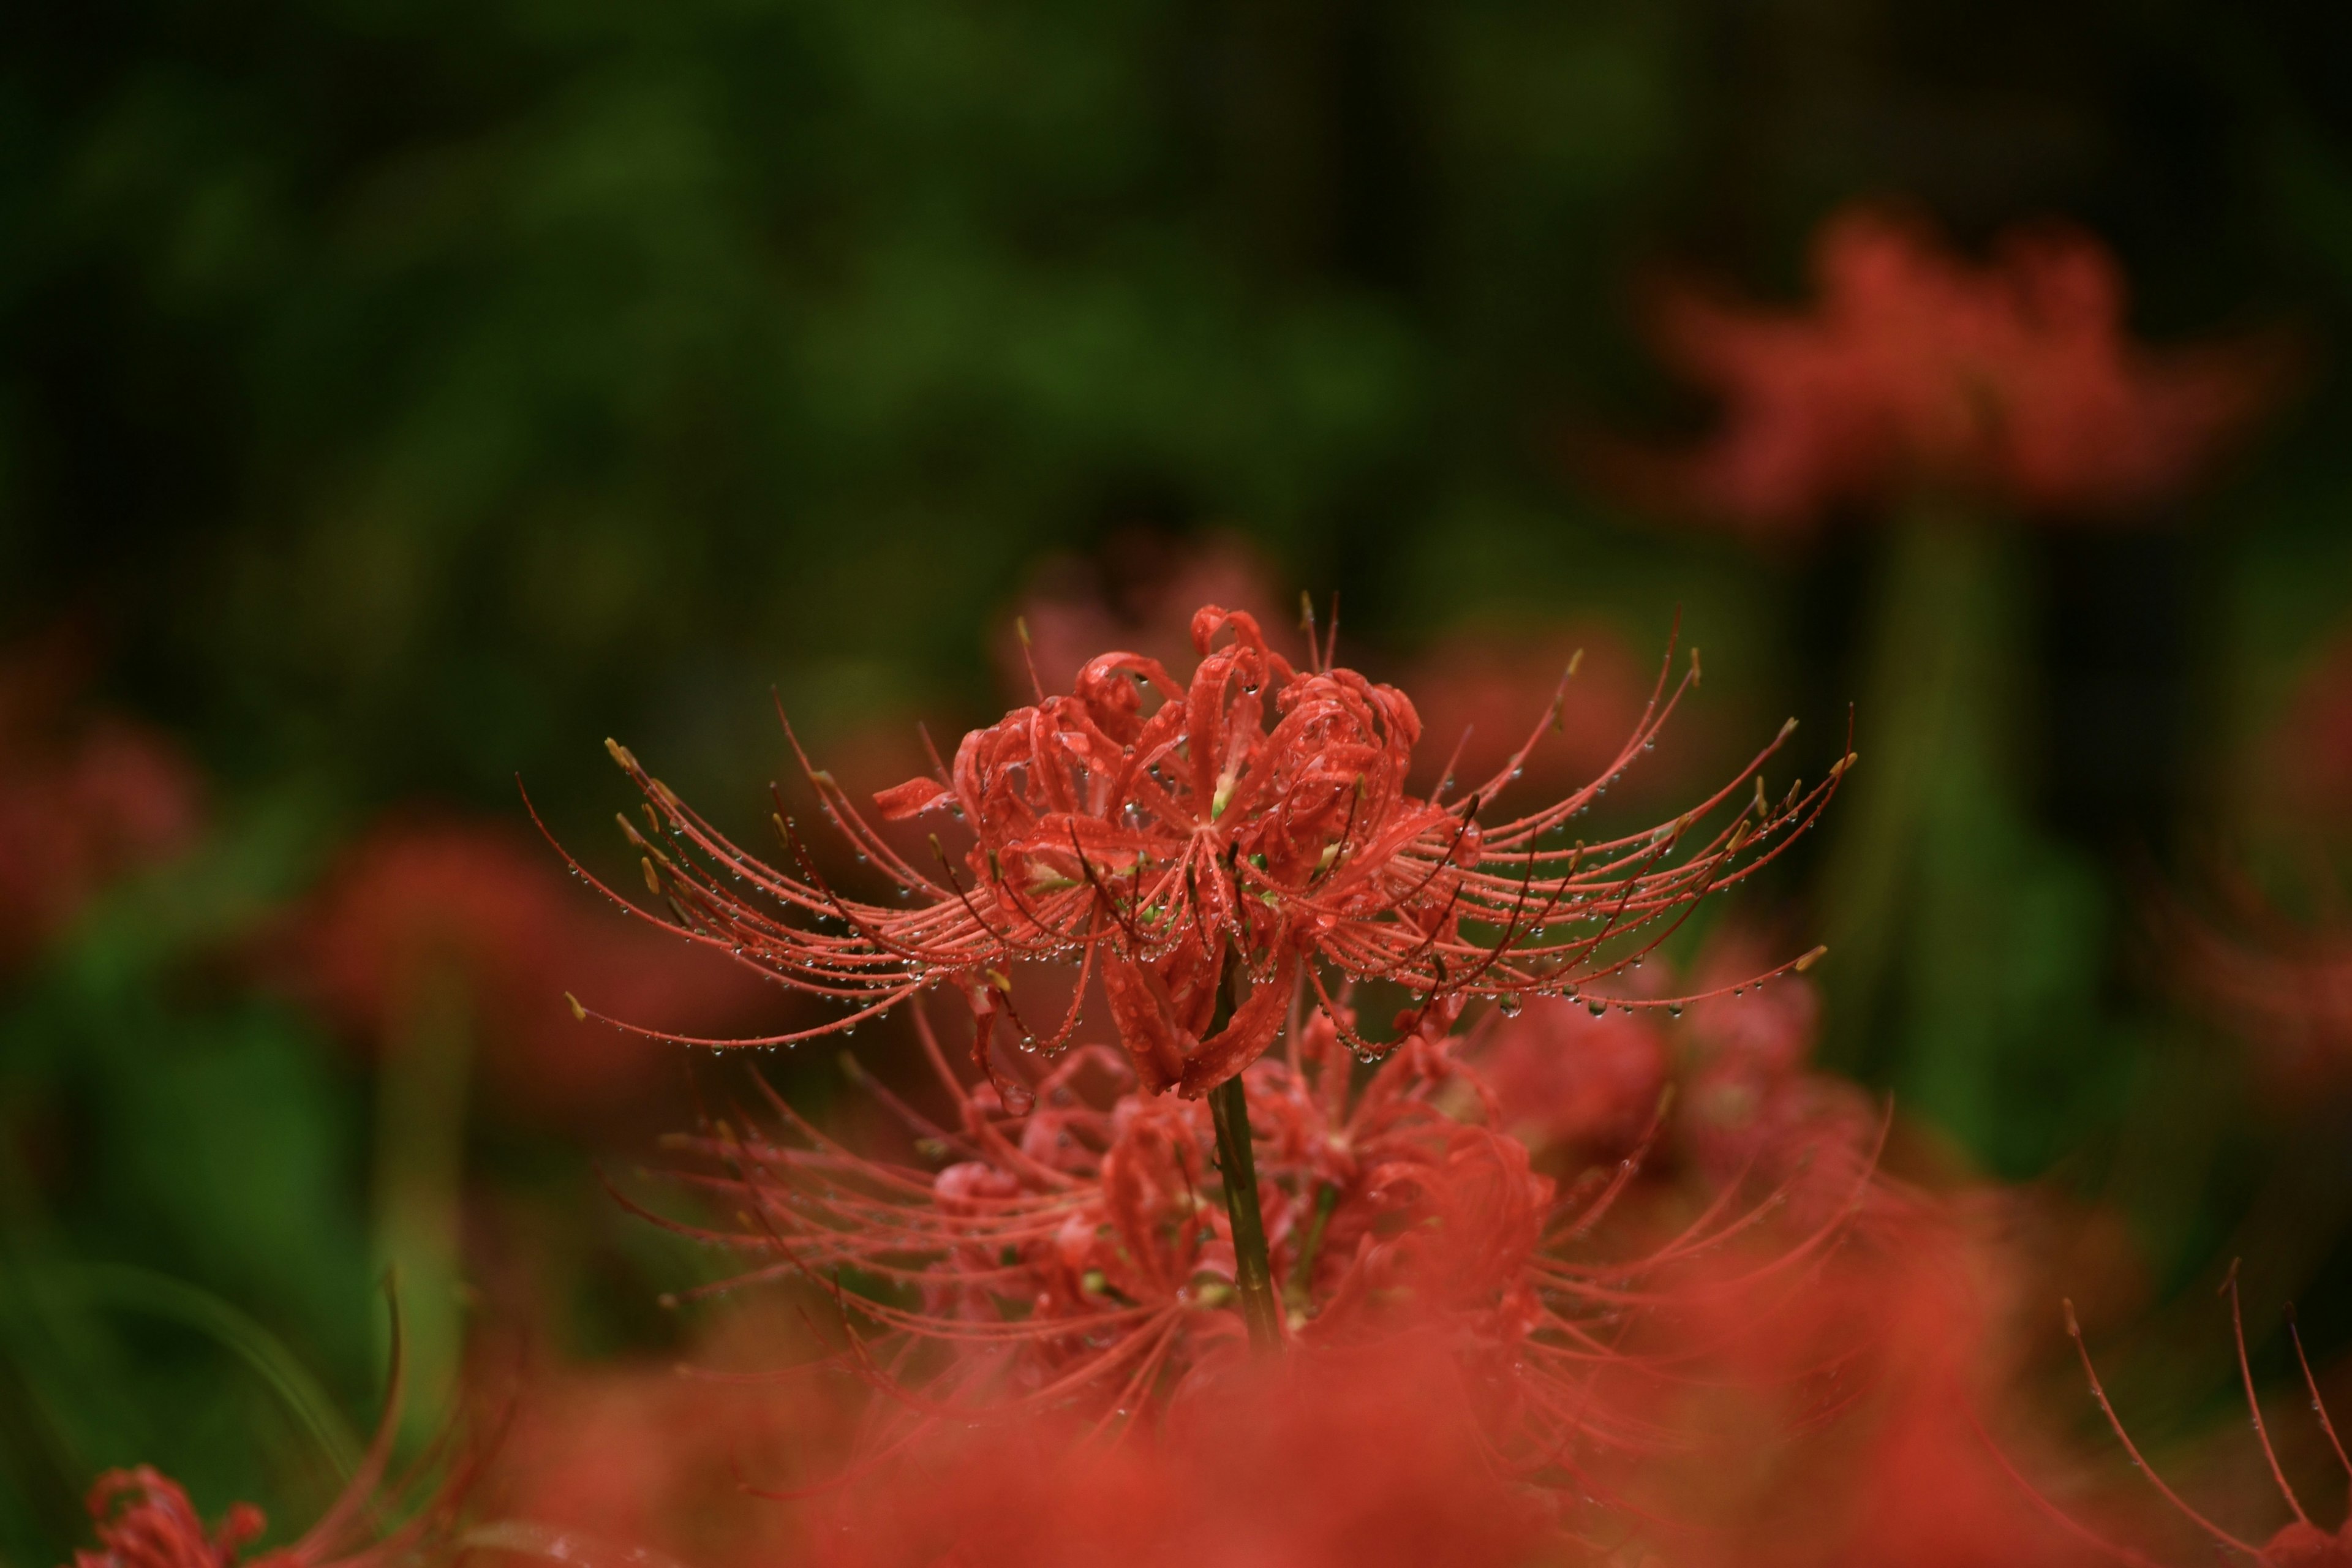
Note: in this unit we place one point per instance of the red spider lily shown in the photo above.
(2300, 1543)
(1250, 830)
(1918, 368)
(418, 905)
(1752, 1099)
(144, 1519)
(1077, 1259)
(1587, 1075)
(1078, 1251)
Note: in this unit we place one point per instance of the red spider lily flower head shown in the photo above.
(1079, 1260)
(1918, 368)
(1752, 1100)
(1077, 1254)
(84, 798)
(144, 1519)
(431, 915)
(1226, 840)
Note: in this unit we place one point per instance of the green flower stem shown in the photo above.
(1253, 1266)
(1237, 1164)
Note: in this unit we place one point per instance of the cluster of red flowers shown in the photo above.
(1080, 1259)
(1918, 368)
(1516, 1301)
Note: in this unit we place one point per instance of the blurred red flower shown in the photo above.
(1475, 689)
(84, 798)
(2283, 989)
(620, 1459)
(419, 905)
(1138, 595)
(1570, 1079)
(144, 1519)
(1917, 368)
(2309, 750)
(1355, 1459)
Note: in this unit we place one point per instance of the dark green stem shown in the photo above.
(1237, 1166)
(1253, 1266)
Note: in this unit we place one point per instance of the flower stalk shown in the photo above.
(1237, 1166)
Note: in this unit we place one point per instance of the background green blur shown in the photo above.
(399, 399)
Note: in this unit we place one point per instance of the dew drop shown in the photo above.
(1507, 1006)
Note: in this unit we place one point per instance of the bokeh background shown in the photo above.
(396, 401)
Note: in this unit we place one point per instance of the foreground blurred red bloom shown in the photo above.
(83, 799)
(1917, 368)
(415, 908)
(1225, 839)
(631, 1457)
(1355, 1459)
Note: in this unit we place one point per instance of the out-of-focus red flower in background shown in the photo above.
(1752, 1099)
(1917, 368)
(2284, 991)
(1137, 596)
(2307, 753)
(1570, 1079)
(1476, 690)
(85, 797)
(418, 905)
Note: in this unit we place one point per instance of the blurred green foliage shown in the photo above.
(412, 396)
